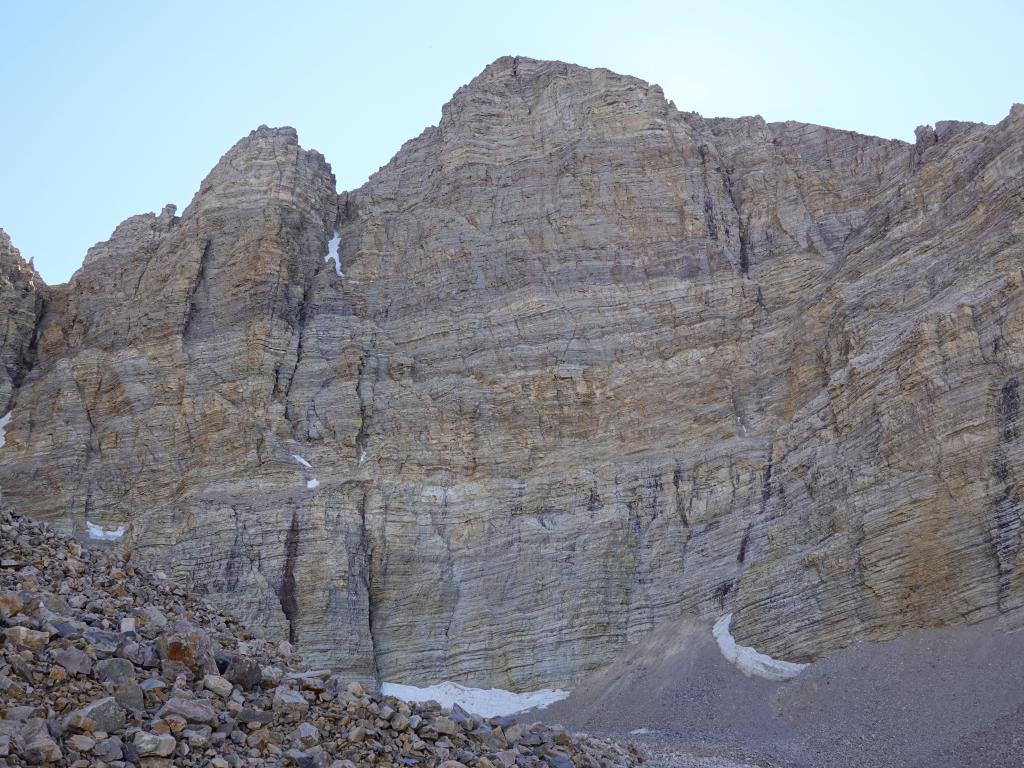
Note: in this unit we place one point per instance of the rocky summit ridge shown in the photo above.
(582, 364)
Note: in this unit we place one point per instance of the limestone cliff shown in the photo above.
(585, 363)
(22, 296)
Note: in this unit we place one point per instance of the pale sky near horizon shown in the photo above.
(116, 108)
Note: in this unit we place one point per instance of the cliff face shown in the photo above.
(591, 363)
(22, 297)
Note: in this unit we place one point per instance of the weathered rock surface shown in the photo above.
(22, 295)
(592, 363)
(53, 715)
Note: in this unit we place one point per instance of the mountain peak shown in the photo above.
(267, 161)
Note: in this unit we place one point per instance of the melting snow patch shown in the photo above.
(102, 534)
(332, 253)
(486, 703)
(312, 483)
(302, 461)
(3, 427)
(749, 661)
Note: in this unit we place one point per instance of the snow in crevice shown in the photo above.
(362, 455)
(302, 461)
(332, 254)
(484, 702)
(314, 483)
(98, 533)
(749, 661)
(4, 421)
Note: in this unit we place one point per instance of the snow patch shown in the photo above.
(486, 703)
(749, 661)
(312, 483)
(97, 533)
(332, 253)
(640, 732)
(362, 456)
(4, 421)
(302, 461)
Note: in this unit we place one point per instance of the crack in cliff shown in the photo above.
(286, 592)
(301, 319)
(709, 204)
(365, 400)
(746, 246)
(371, 603)
(28, 356)
(193, 289)
(766, 483)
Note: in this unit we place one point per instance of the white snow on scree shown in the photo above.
(302, 461)
(3, 427)
(102, 534)
(749, 661)
(332, 253)
(486, 703)
(312, 483)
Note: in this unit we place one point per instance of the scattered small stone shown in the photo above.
(289, 703)
(159, 744)
(219, 685)
(115, 670)
(41, 751)
(130, 696)
(306, 735)
(105, 715)
(73, 660)
(22, 637)
(109, 749)
(244, 671)
(192, 710)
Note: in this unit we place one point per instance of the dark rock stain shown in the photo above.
(286, 592)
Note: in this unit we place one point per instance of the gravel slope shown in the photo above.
(948, 697)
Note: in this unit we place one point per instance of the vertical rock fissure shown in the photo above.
(193, 289)
(365, 404)
(746, 247)
(301, 331)
(709, 204)
(286, 592)
(371, 603)
(766, 483)
(27, 358)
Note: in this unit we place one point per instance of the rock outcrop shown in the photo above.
(22, 297)
(584, 363)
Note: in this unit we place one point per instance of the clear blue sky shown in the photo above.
(116, 108)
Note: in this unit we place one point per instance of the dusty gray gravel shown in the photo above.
(947, 697)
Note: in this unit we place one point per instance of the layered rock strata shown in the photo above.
(584, 363)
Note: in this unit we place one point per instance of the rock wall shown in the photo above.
(22, 297)
(592, 363)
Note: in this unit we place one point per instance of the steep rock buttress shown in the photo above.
(585, 363)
